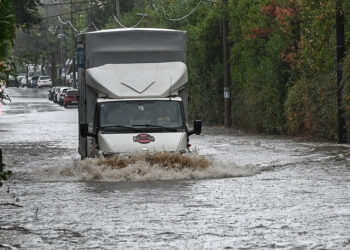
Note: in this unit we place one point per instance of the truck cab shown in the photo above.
(140, 125)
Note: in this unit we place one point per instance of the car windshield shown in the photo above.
(45, 78)
(151, 115)
(72, 92)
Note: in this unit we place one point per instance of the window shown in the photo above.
(150, 115)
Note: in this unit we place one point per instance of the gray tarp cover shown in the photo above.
(138, 80)
(120, 46)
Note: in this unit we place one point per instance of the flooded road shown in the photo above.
(258, 193)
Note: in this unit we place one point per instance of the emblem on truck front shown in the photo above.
(143, 138)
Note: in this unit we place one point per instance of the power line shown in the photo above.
(75, 11)
(53, 30)
(181, 18)
(69, 22)
(53, 4)
(93, 24)
(134, 26)
(74, 28)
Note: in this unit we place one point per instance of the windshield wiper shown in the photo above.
(155, 126)
(120, 126)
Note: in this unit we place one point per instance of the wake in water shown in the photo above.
(157, 166)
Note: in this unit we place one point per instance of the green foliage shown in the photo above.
(7, 27)
(311, 107)
(346, 83)
(206, 68)
(27, 13)
(317, 45)
(22, 13)
(258, 71)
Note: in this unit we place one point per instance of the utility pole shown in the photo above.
(61, 47)
(45, 59)
(227, 74)
(90, 15)
(117, 10)
(1, 164)
(73, 51)
(340, 56)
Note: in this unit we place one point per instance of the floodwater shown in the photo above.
(258, 192)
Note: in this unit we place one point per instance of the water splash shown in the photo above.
(157, 166)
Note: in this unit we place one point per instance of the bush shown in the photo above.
(311, 107)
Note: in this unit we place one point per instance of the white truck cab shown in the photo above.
(139, 125)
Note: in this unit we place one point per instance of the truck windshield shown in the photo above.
(145, 115)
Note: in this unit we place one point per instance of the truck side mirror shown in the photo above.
(83, 129)
(197, 128)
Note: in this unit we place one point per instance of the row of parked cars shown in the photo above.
(64, 96)
(37, 81)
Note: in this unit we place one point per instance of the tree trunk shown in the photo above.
(227, 73)
(340, 56)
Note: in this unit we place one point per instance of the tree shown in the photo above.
(340, 38)
(27, 14)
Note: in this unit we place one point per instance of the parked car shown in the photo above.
(71, 97)
(51, 93)
(34, 81)
(60, 95)
(44, 81)
(11, 82)
(24, 82)
(19, 79)
(55, 94)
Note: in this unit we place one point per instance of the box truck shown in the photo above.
(132, 92)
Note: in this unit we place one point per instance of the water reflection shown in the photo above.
(153, 186)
